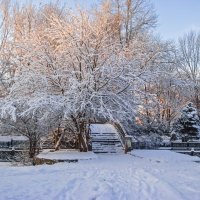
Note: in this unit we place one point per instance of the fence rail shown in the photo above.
(185, 145)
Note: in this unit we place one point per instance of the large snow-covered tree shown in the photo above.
(74, 64)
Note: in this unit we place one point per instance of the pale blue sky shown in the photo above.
(175, 17)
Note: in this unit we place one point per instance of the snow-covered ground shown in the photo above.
(67, 155)
(143, 175)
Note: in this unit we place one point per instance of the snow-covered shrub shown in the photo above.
(22, 158)
(150, 141)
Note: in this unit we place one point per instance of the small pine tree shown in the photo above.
(188, 124)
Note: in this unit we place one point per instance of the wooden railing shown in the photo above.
(121, 133)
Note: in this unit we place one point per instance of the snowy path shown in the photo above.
(145, 175)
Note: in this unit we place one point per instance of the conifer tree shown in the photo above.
(188, 124)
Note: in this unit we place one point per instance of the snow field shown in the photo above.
(143, 175)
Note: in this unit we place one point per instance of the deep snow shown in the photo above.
(153, 175)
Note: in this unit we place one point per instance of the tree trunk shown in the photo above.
(82, 141)
(197, 100)
(81, 130)
(32, 147)
(57, 145)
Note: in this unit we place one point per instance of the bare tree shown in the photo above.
(189, 62)
(7, 64)
(132, 17)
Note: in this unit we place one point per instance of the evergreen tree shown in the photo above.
(188, 124)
